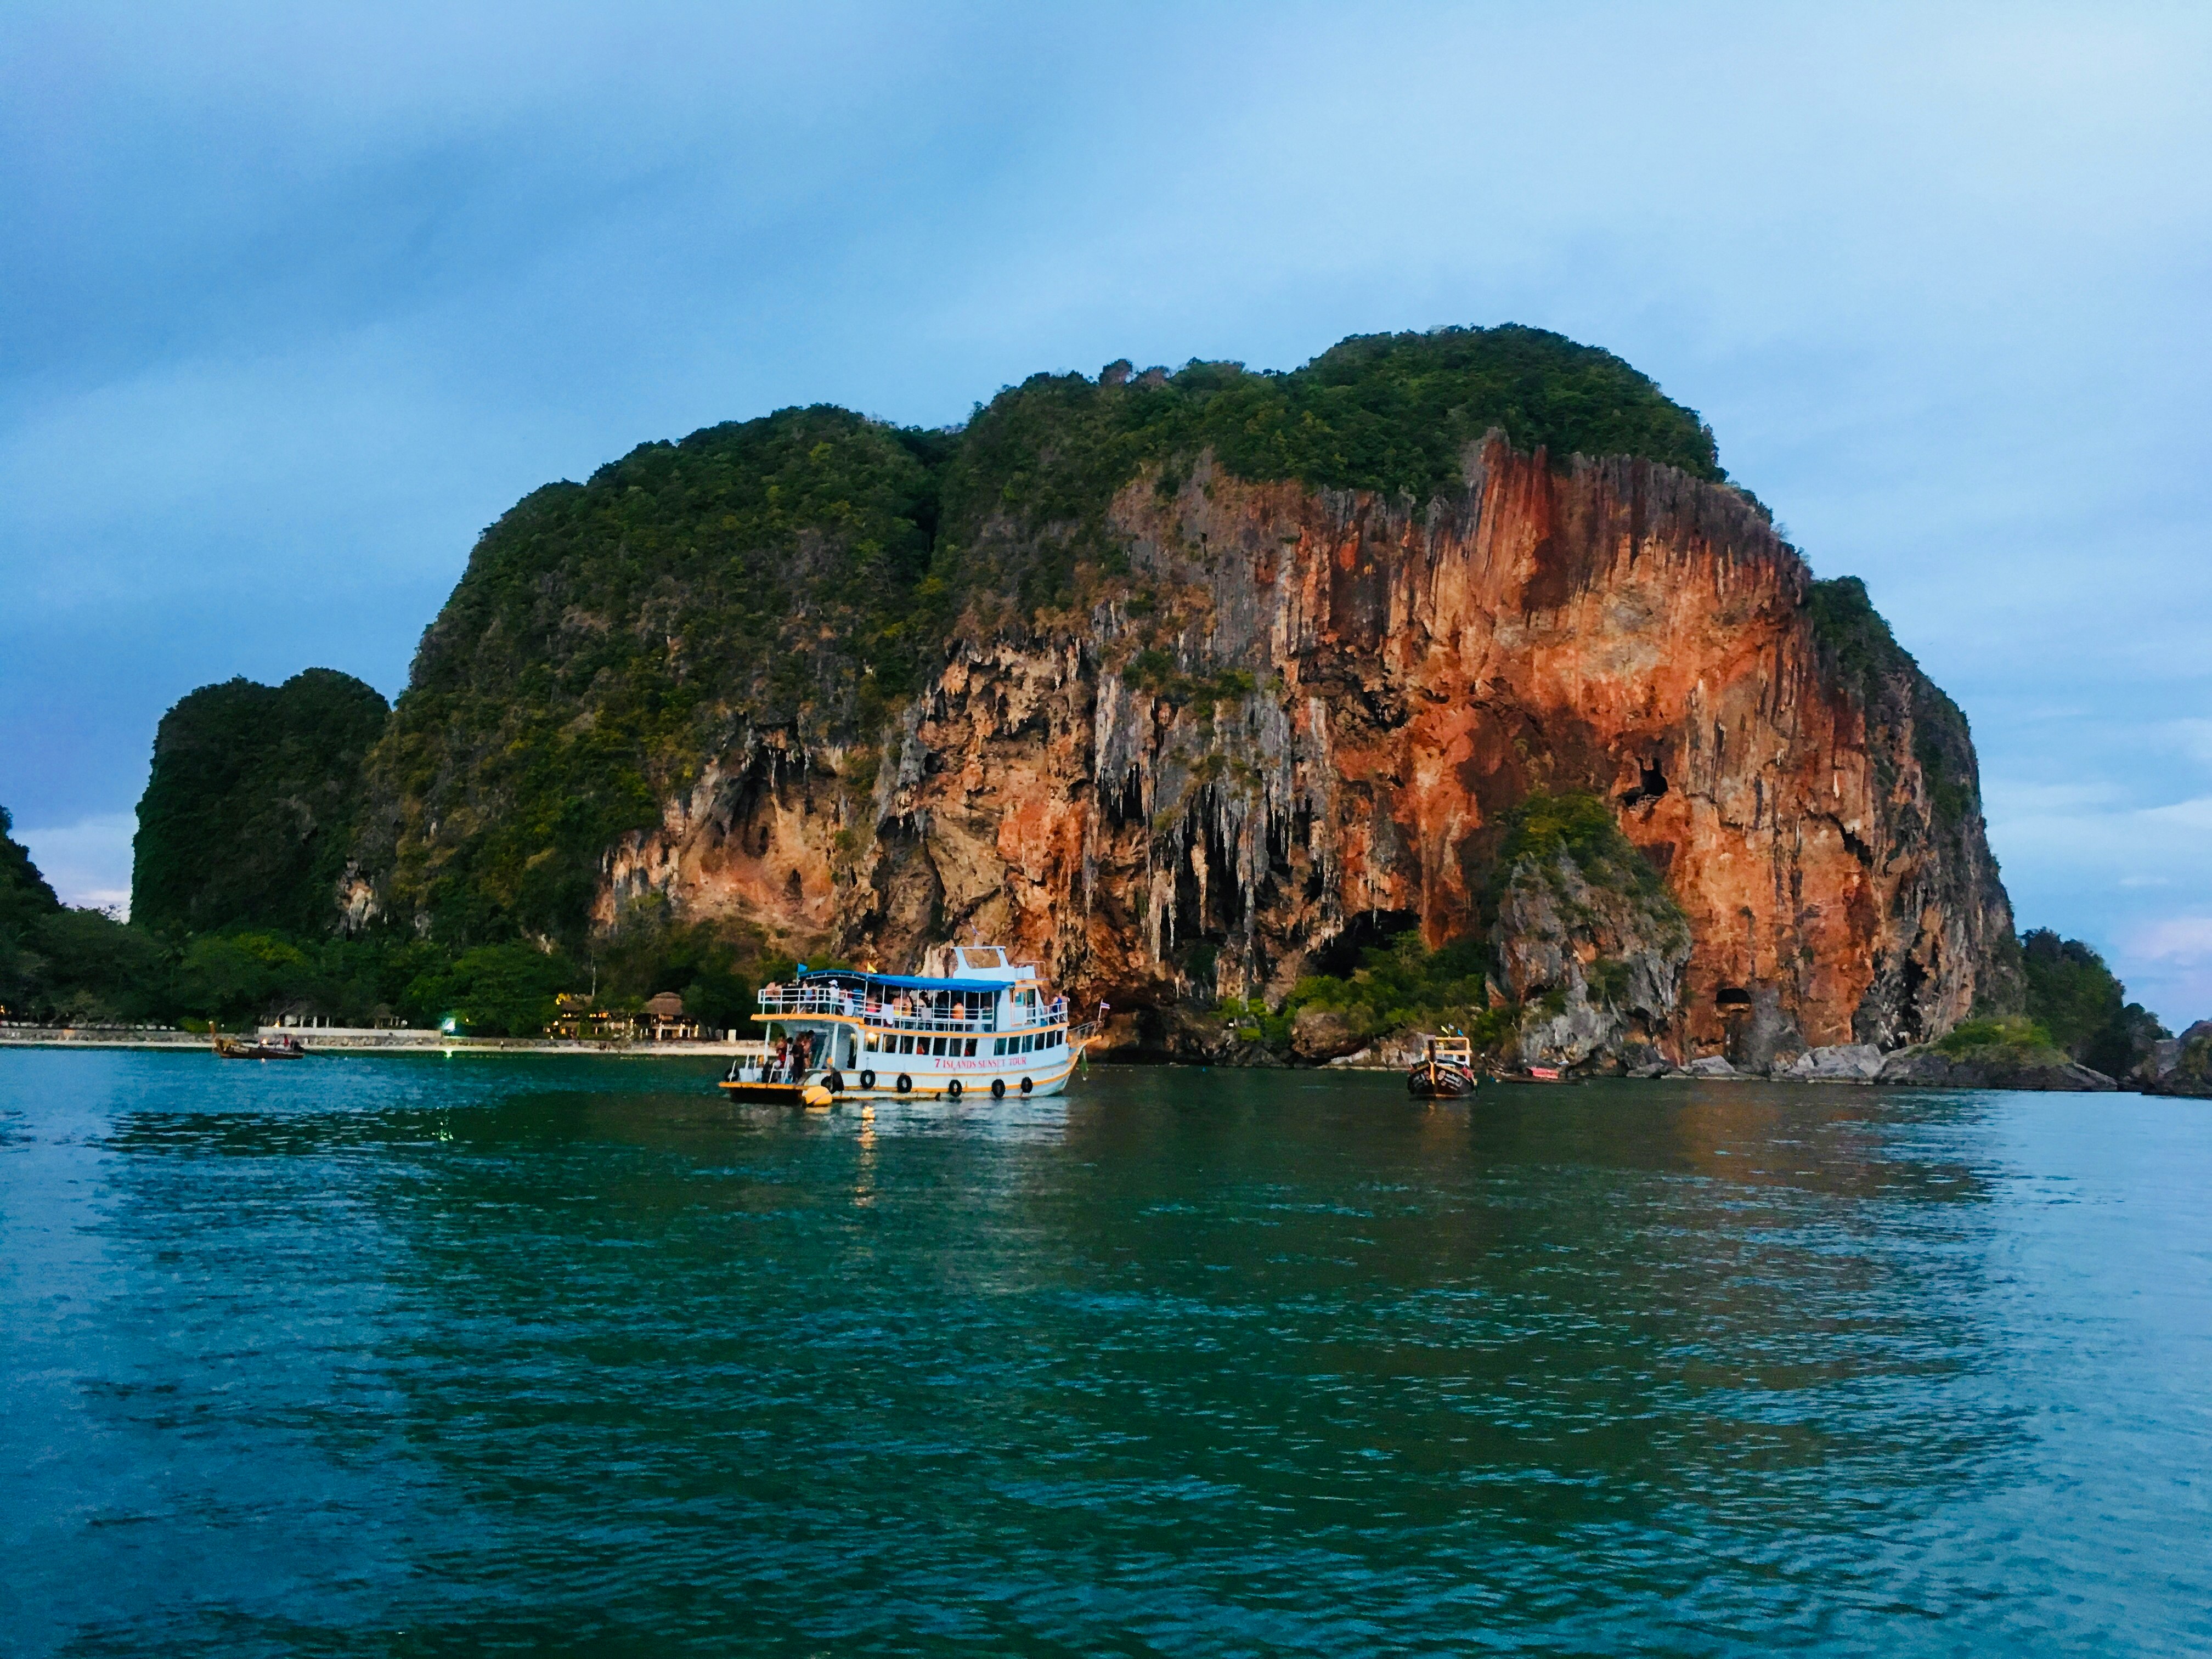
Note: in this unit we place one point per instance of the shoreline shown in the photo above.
(331, 1040)
(339, 1040)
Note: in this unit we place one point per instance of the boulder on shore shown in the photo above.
(1844, 1062)
(1712, 1066)
(1320, 1033)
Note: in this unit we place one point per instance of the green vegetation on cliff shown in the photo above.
(607, 636)
(1583, 828)
(248, 816)
(2010, 1041)
(1027, 487)
(1400, 986)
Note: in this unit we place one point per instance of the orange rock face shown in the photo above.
(1306, 730)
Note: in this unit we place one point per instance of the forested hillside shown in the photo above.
(249, 813)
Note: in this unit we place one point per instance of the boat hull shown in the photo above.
(966, 1087)
(1429, 1082)
(772, 1094)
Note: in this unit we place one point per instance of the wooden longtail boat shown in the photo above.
(1445, 1070)
(283, 1047)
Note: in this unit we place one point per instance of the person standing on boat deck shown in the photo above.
(782, 1057)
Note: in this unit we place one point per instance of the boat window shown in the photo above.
(1029, 1043)
(998, 1045)
(872, 1040)
(971, 1047)
(937, 1045)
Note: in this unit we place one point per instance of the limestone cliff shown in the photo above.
(1190, 685)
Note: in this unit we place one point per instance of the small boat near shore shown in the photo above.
(1445, 1070)
(281, 1047)
(976, 1024)
(1534, 1074)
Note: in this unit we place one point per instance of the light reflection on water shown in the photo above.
(410, 1356)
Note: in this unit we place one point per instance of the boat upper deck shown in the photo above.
(912, 1003)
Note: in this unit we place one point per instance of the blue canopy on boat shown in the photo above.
(906, 982)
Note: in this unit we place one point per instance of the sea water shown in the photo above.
(424, 1355)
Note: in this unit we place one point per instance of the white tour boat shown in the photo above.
(977, 1026)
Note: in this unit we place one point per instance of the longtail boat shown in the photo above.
(1445, 1070)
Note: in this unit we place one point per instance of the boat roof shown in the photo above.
(908, 981)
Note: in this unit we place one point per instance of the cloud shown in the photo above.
(2184, 940)
(89, 862)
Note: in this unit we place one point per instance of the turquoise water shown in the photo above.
(423, 1356)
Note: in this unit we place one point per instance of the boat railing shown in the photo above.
(753, 1069)
(798, 1002)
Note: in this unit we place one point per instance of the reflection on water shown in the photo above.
(404, 1356)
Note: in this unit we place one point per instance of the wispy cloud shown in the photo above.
(89, 862)
(2185, 941)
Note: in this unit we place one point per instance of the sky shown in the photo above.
(295, 300)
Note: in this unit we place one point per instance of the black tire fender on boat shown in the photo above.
(834, 1081)
(1027, 1086)
(998, 1088)
(952, 1090)
(868, 1080)
(905, 1083)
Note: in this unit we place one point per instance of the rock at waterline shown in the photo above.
(1318, 1034)
(1844, 1062)
(1931, 1068)
(2179, 1066)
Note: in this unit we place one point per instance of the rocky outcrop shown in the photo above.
(1323, 1034)
(1930, 1068)
(1851, 1062)
(1597, 964)
(2179, 1066)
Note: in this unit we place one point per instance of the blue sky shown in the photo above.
(297, 299)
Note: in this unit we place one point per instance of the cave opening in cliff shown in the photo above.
(1125, 803)
(1650, 785)
(1363, 931)
(1912, 981)
(1732, 996)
